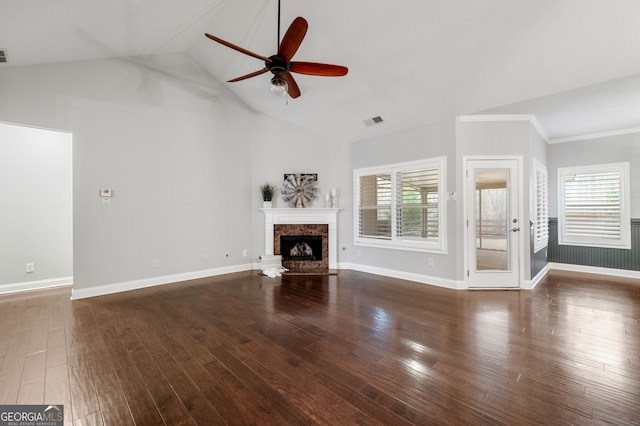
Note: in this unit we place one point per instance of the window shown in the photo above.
(400, 206)
(540, 206)
(593, 206)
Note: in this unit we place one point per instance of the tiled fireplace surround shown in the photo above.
(303, 221)
(307, 229)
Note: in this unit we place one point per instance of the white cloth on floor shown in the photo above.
(274, 271)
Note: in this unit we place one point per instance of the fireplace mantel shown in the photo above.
(276, 216)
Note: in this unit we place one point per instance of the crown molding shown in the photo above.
(28, 126)
(595, 135)
(507, 117)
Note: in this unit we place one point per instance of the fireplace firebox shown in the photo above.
(303, 247)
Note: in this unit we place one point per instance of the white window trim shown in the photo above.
(539, 170)
(625, 210)
(398, 243)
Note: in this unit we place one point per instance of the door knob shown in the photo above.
(515, 229)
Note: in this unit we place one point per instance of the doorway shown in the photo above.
(36, 248)
(492, 217)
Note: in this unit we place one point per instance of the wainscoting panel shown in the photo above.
(596, 256)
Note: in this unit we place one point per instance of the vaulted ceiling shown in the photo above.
(575, 64)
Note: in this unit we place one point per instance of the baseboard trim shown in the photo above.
(409, 276)
(84, 293)
(460, 285)
(622, 273)
(531, 284)
(392, 273)
(36, 285)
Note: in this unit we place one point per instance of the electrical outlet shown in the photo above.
(30, 267)
(430, 262)
(156, 263)
(244, 253)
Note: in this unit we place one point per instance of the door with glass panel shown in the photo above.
(493, 223)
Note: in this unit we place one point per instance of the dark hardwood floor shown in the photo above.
(334, 350)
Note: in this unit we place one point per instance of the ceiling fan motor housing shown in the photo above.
(277, 65)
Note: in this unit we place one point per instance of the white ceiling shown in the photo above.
(575, 64)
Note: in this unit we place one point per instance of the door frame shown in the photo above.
(520, 246)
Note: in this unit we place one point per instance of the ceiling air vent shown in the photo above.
(3, 56)
(373, 121)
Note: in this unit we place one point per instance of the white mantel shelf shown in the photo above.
(278, 216)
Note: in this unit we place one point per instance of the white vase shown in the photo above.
(266, 204)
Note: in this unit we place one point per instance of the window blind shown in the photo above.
(541, 229)
(592, 205)
(417, 204)
(375, 197)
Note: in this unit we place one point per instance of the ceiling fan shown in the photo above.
(281, 65)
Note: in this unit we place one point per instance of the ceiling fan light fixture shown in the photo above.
(278, 85)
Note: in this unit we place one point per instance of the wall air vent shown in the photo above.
(3, 56)
(373, 121)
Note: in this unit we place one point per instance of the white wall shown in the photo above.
(36, 206)
(183, 156)
(173, 150)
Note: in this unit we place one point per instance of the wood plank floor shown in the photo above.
(333, 350)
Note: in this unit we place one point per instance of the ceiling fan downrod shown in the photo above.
(278, 45)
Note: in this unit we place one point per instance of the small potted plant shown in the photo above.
(267, 191)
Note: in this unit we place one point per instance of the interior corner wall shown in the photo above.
(428, 141)
(281, 147)
(174, 151)
(36, 206)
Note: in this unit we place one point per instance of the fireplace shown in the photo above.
(312, 226)
(303, 247)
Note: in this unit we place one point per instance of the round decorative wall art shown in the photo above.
(299, 189)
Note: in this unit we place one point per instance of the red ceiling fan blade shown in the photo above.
(293, 38)
(314, 68)
(244, 77)
(238, 48)
(292, 86)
